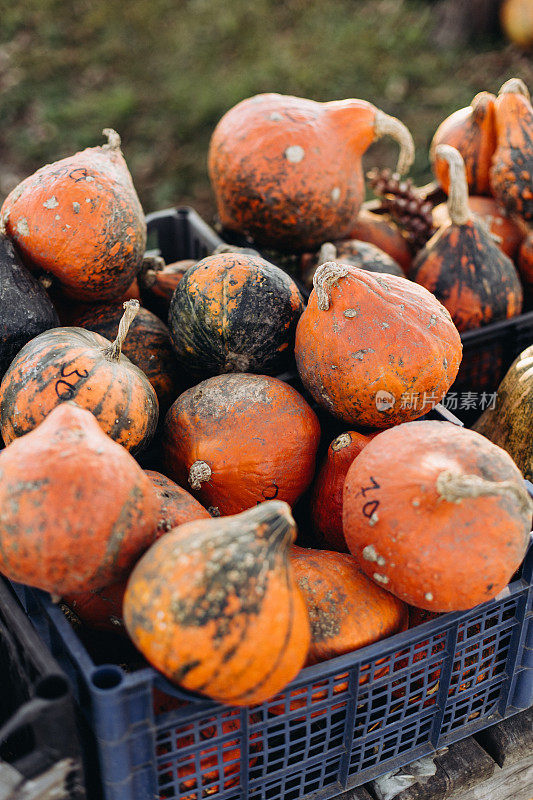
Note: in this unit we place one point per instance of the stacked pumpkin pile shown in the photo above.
(199, 562)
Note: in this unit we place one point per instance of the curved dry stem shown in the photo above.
(323, 279)
(328, 252)
(342, 441)
(113, 139)
(131, 308)
(515, 86)
(458, 208)
(199, 473)
(385, 125)
(455, 487)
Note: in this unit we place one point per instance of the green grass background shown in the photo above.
(162, 74)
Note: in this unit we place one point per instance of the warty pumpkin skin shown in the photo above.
(80, 219)
(76, 510)
(508, 424)
(472, 132)
(326, 497)
(347, 610)
(364, 340)
(381, 231)
(287, 171)
(25, 308)
(215, 607)
(234, 313)
(462, 265)
(75, 364)
(443, 528)
(240, 439)
(147, 345)
(511, 174)
(102, 608)
(507, 233)
(352, 252)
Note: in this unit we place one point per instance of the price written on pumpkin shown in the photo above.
(371, 505)
(64, 389)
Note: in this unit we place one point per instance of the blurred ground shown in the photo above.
(162, 73)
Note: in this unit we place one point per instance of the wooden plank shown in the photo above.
(460, 767)
(515, 782)
(510, 741)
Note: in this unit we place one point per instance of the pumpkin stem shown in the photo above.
(385, 125)
(323, 279)
(198, 474)
(457, 487)
(46, 280)
(515, 86)
(341, 441)
(150, 266)
(130, 312)
(458, 193)
(113, 139)
(328, 252)
(3, 220)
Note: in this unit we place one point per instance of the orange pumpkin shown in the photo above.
(507, 233)
(77, 509)
(326, 498)
(472, 132)
(215, 607)
(443, 528)
(365, 340)
(462, 265)
(240, 439)
(75, 364)
(511, 174)
(517, 22)
(380, 230)
(352, 252)
(147, 345)
(80, 219)
(177, 505)
(346, 609)
(287, 171)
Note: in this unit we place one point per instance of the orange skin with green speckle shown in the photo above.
(287, 170)
(466, 270)
(511, 175)
(72, 364)
(257, 435)
(381, 333)
(76, 508)
(80, 219)
(472, 132)
(326, 498)
(215, 607)
(434, 553)
(383, 233)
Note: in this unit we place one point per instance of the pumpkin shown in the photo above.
(462, 265)
(147, 345)
(517, 22)
(215, 607)
(506, 232)
(445, 526)
(326, 497)
(25, 308)
(472, 132)
(365, 340)
(352, 252)
(76, 508)
(102, 608)
(381, 231)
(80, 219)
(157, 282)
(347, 610)
(511, 174)
(234, 313)
(75, 364)
(287, 171)
(240, 439)
(508, 423)
(525, 262)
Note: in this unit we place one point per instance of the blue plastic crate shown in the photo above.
(337, 725)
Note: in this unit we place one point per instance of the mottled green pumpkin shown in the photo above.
(234, 312)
